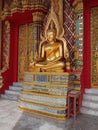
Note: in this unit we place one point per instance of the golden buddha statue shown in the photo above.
(53, 55)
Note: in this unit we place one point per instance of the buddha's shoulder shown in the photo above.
(59, 41)
(44, 44)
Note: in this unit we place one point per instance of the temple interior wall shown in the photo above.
(0, 30)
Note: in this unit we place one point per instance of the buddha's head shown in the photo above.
(51, 35)
(51, 32)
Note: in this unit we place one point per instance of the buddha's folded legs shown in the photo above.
(51, 65)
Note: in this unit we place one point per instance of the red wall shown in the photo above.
(86, 74)
(16, 20)
(11, 74)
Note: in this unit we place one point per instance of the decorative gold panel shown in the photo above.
(94, 47)
(58, 8)
(0, 30)
(6, 46)
(25, 53)
(78, 49)
(13, 6)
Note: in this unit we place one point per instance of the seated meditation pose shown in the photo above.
(51, 57)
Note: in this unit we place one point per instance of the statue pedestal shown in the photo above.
(45, 93)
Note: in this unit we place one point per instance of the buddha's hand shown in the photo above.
(32, 64)
(66, 55)
(36, 56)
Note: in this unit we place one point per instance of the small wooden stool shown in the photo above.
(74, 103)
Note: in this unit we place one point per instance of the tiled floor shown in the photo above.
(13, 119)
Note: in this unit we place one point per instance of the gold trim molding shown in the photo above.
(37, 16)
(6, 47)
(78, 5)
(53, 116)
(94, 47)
(43, 94)
(21, 6)
(42, 105)
(0, 30)
(6, 52)
(58, 9)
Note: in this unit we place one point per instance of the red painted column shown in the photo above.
(86, 81)
(93, 3)
(10, 75)
(86, 72)
(86, 75)
(14, 51)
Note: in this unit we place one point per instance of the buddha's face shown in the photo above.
(51, 36)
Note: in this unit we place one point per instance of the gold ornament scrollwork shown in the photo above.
(25, 49)
(0, 30)
(78, 47)
(94, 47)
(1, 78)
(21, 5)
(6, 46)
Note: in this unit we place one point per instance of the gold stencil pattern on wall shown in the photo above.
(94, 47)
(0, 30)
(25, 50)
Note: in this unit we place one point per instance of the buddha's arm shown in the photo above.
(41, 58)
(43, 52)
(60, 49)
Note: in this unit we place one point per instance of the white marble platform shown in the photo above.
(91, 97)
(15, 88)
(89, 111)
(90, 102)
(91, 91)
(13, 93)
(13, 119)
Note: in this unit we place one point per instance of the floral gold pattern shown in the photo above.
(94, 47)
